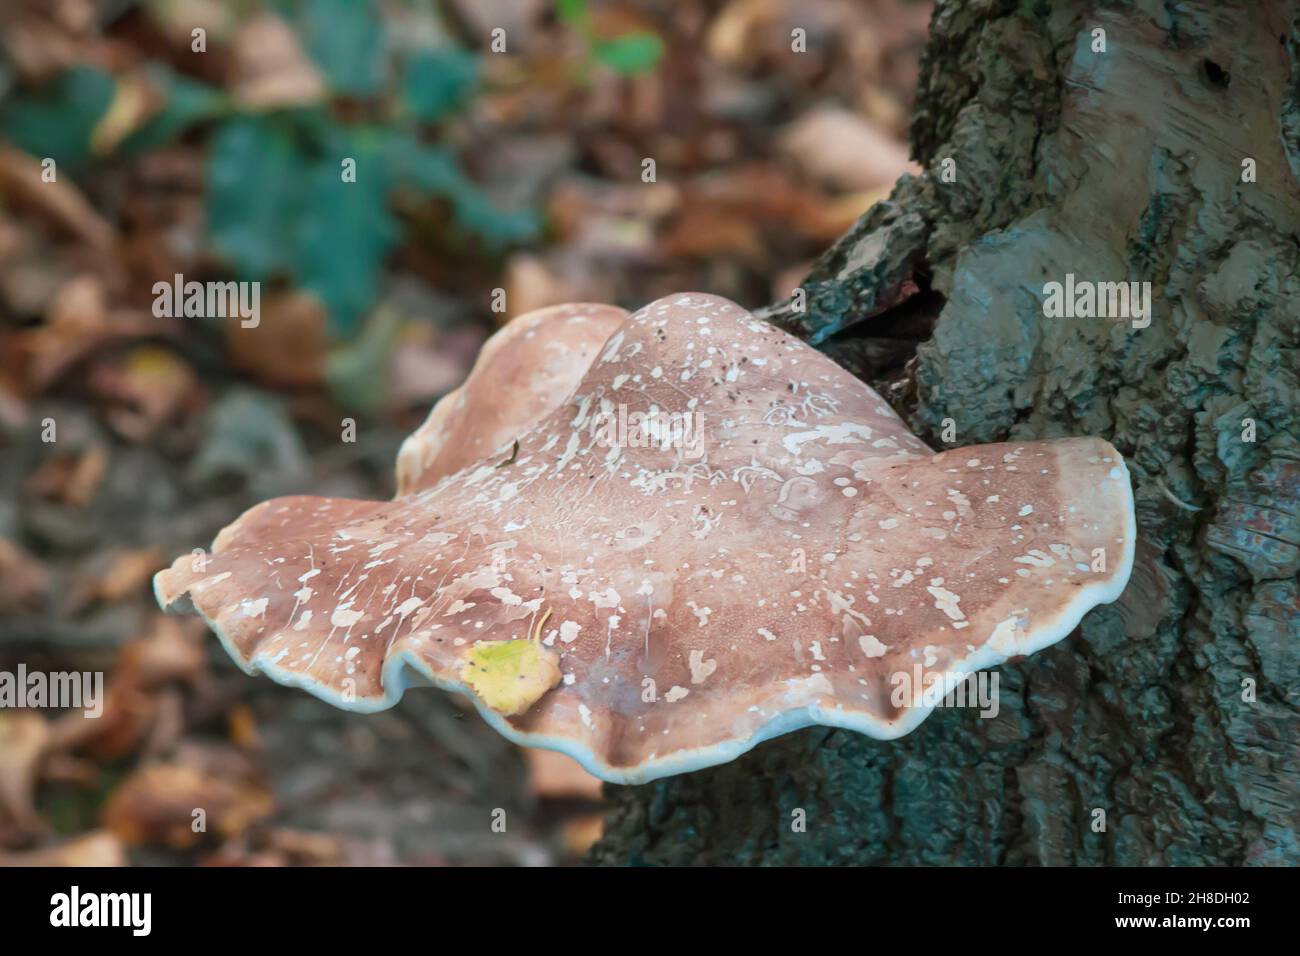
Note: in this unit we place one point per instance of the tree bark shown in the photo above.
(1164, 731)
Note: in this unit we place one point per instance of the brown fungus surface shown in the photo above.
(522, 374)
(715, 536)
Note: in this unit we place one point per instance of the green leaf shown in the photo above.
(631, 53)
(510, 676)
(425, 168)
(575, 12)
(357, 373)
(497, 228)
(58, 120)
(256, 192)
(346, 39)
(187, 103)
(276, 208)
(346, 230)
(278, 204)
(438, 81)
(433, 170)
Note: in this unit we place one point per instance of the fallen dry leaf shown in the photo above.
(516, 17)
(125, 573)
(59, 201)
(845, 150)
(24, 737)
(427, 363)
(743, 210)
(304, 847)
(24, 581)
(886, 111)
(43, 39)
(78, 325)
(556, 775)
(70, 479)
(97, 848)
(708, 233)
(128, 716)
(242, 726)
(148, 387)
(581, 833)
(13, 410)
(731, 39)
(533, 282)
(616, 220)
(180, 806)
(238, 853)
(134, 101)
(788, 279)
(288, 347)
(178, 18)
(138, 709)
(272, 70)
(171, 650)
(63, 768)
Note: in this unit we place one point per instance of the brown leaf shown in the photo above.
(139, 709)
(581, 833)
(731, 39)
(553, 774)
(157, 805)
(611, 219)
(788, 279)
(178, 18)
(97, 848)
(134, 101)
(126, 573)
(742, 211)
(304, 847)
(23, 580)
(427, 363)
(170, 651)
(24, 736)
(288, 347)
(272, 70)
(70, 479)
(845, 150)
(148, 387)
(59, 201)
(533, 282)
(708, 233)
(243, 728)
(78, 325)
(517, 17)
(886, 111)
(44, 39)
(129, 714)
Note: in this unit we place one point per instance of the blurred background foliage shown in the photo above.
(497, 146)
(277, 202)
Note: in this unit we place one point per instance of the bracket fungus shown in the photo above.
(652, 541)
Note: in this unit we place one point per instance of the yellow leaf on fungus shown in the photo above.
(511, 676)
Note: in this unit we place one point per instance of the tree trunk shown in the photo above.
(1164, 731)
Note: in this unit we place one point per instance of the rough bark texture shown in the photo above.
(1174, 710)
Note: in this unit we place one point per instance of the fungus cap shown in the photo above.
(710, 536)
(522, 373)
